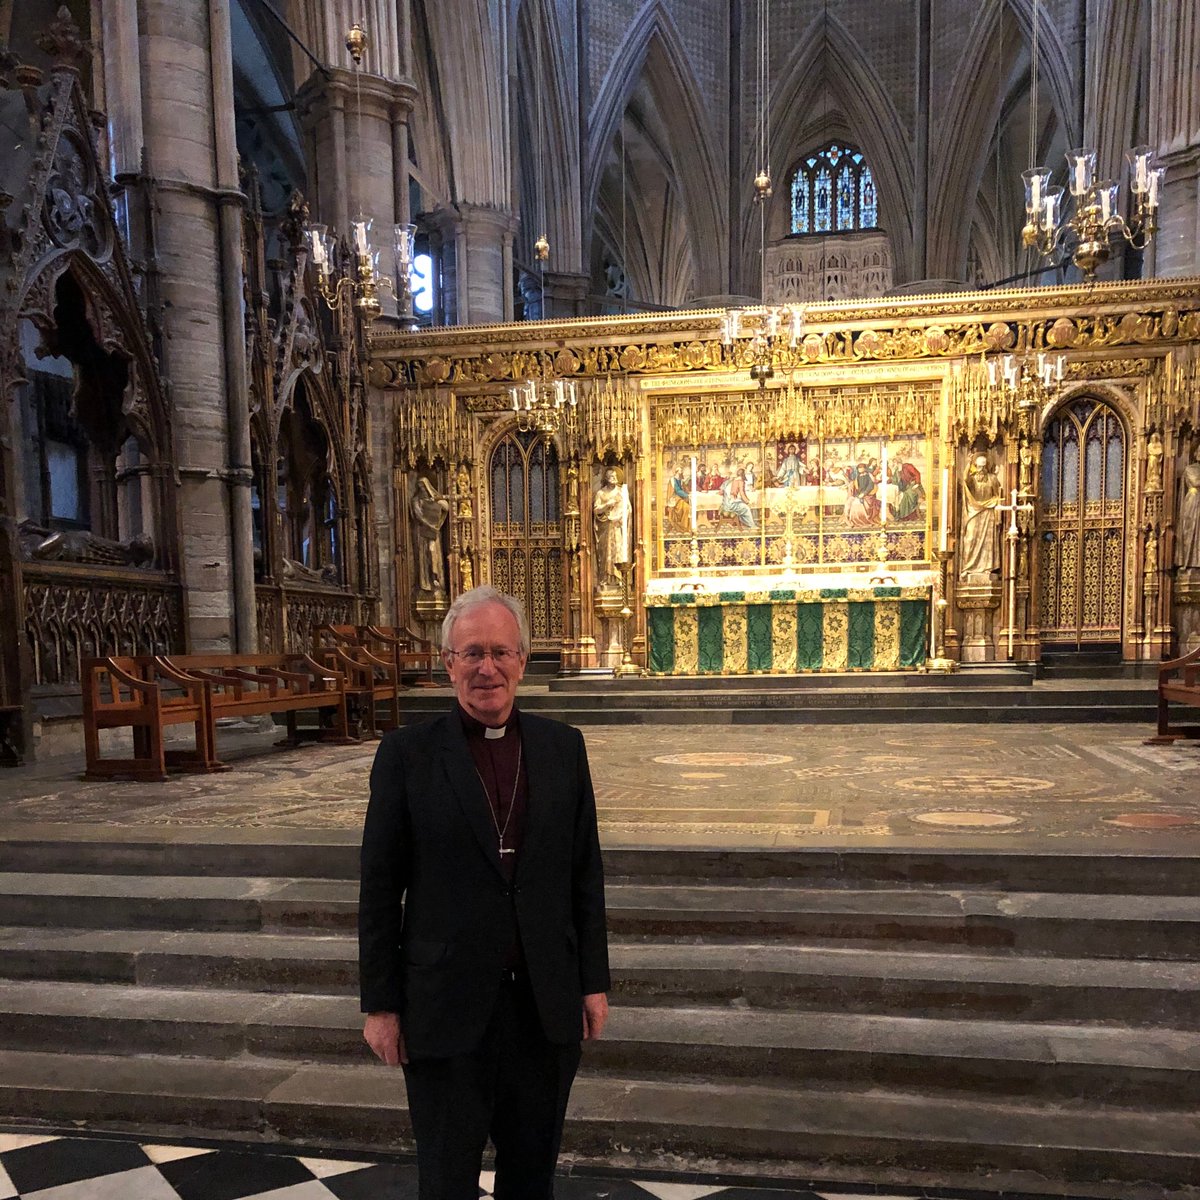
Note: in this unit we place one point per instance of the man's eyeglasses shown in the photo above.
(472, 656)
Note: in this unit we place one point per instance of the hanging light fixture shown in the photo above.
(545, 406)
(357, 279)
(774, 331)
(1095, 223)
(1032, 380)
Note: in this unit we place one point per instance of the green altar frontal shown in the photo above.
(787, 630)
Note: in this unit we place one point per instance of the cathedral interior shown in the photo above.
(824, 378)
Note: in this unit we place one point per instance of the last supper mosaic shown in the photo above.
(835, 501)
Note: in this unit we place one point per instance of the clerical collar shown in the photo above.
(475, 728)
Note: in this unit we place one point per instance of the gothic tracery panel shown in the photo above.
(1083, 524)
(526, 531)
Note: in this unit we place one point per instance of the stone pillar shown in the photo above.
(564, 295)
(1175, 132)
(356, 128)
(920, 252)
(185, 107)
(483, 255)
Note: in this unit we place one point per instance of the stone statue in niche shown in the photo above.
(429, 512)
(978, 550)
(1187, 525)
(298, 572)
(462, 485)
(83, 546)
(1025, 458)
(1150, 568)
(611, 516)
(1154, 457)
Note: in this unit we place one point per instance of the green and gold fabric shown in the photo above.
(788, 630)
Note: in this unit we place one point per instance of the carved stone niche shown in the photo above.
(976, 602)
(1187, 599)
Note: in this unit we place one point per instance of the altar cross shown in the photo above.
(1011, 535)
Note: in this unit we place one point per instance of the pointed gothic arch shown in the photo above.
(654, 50)
(559, 185)
(862, 112)
(463, 42)
(972, 116)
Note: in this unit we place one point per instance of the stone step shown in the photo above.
(333, 855)
(759, 710)
(1039, 923)
(603, 683)
(780, 976)
(1105, 1064)
(793, 1131)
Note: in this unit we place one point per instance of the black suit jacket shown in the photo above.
(435, 911)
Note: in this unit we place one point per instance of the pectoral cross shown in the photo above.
(1011, 535)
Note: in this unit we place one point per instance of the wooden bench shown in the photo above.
(148, 693)
(410, 654)
(142, 695)
(370, 679)
(248, 685)
(1182, 690)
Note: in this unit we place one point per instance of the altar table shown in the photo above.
(786, 630)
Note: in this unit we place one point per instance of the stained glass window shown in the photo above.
(833, 190)
(800, 205)
(868, 207)
(846, 190)
(823, 202)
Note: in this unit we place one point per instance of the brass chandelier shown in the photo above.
(1096, 221)
(349, 274)
(545, 406)
(1032, 380)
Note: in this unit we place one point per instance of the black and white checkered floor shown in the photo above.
(44, 1166)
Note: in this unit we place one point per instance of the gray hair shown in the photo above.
(475, 598)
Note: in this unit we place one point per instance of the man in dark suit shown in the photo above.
(483, 956)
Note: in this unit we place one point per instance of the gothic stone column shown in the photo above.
(187, 111)
(484, 264)
(1175, 132)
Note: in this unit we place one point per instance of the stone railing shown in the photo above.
(287, 614)
(75, 611)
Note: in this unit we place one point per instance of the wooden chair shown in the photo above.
(1184, 690)
(146, 697)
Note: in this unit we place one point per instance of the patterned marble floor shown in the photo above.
(43, 1166)
(782, 786)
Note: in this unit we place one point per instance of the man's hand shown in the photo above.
(595, 1013)
(382, 1034)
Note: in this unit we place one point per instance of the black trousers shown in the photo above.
(513, 1088)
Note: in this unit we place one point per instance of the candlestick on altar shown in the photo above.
(883, 486)
(693, 493)
(937, 616)
(943, 532)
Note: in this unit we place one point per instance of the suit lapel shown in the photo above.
(467, 788)
(541, 774)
